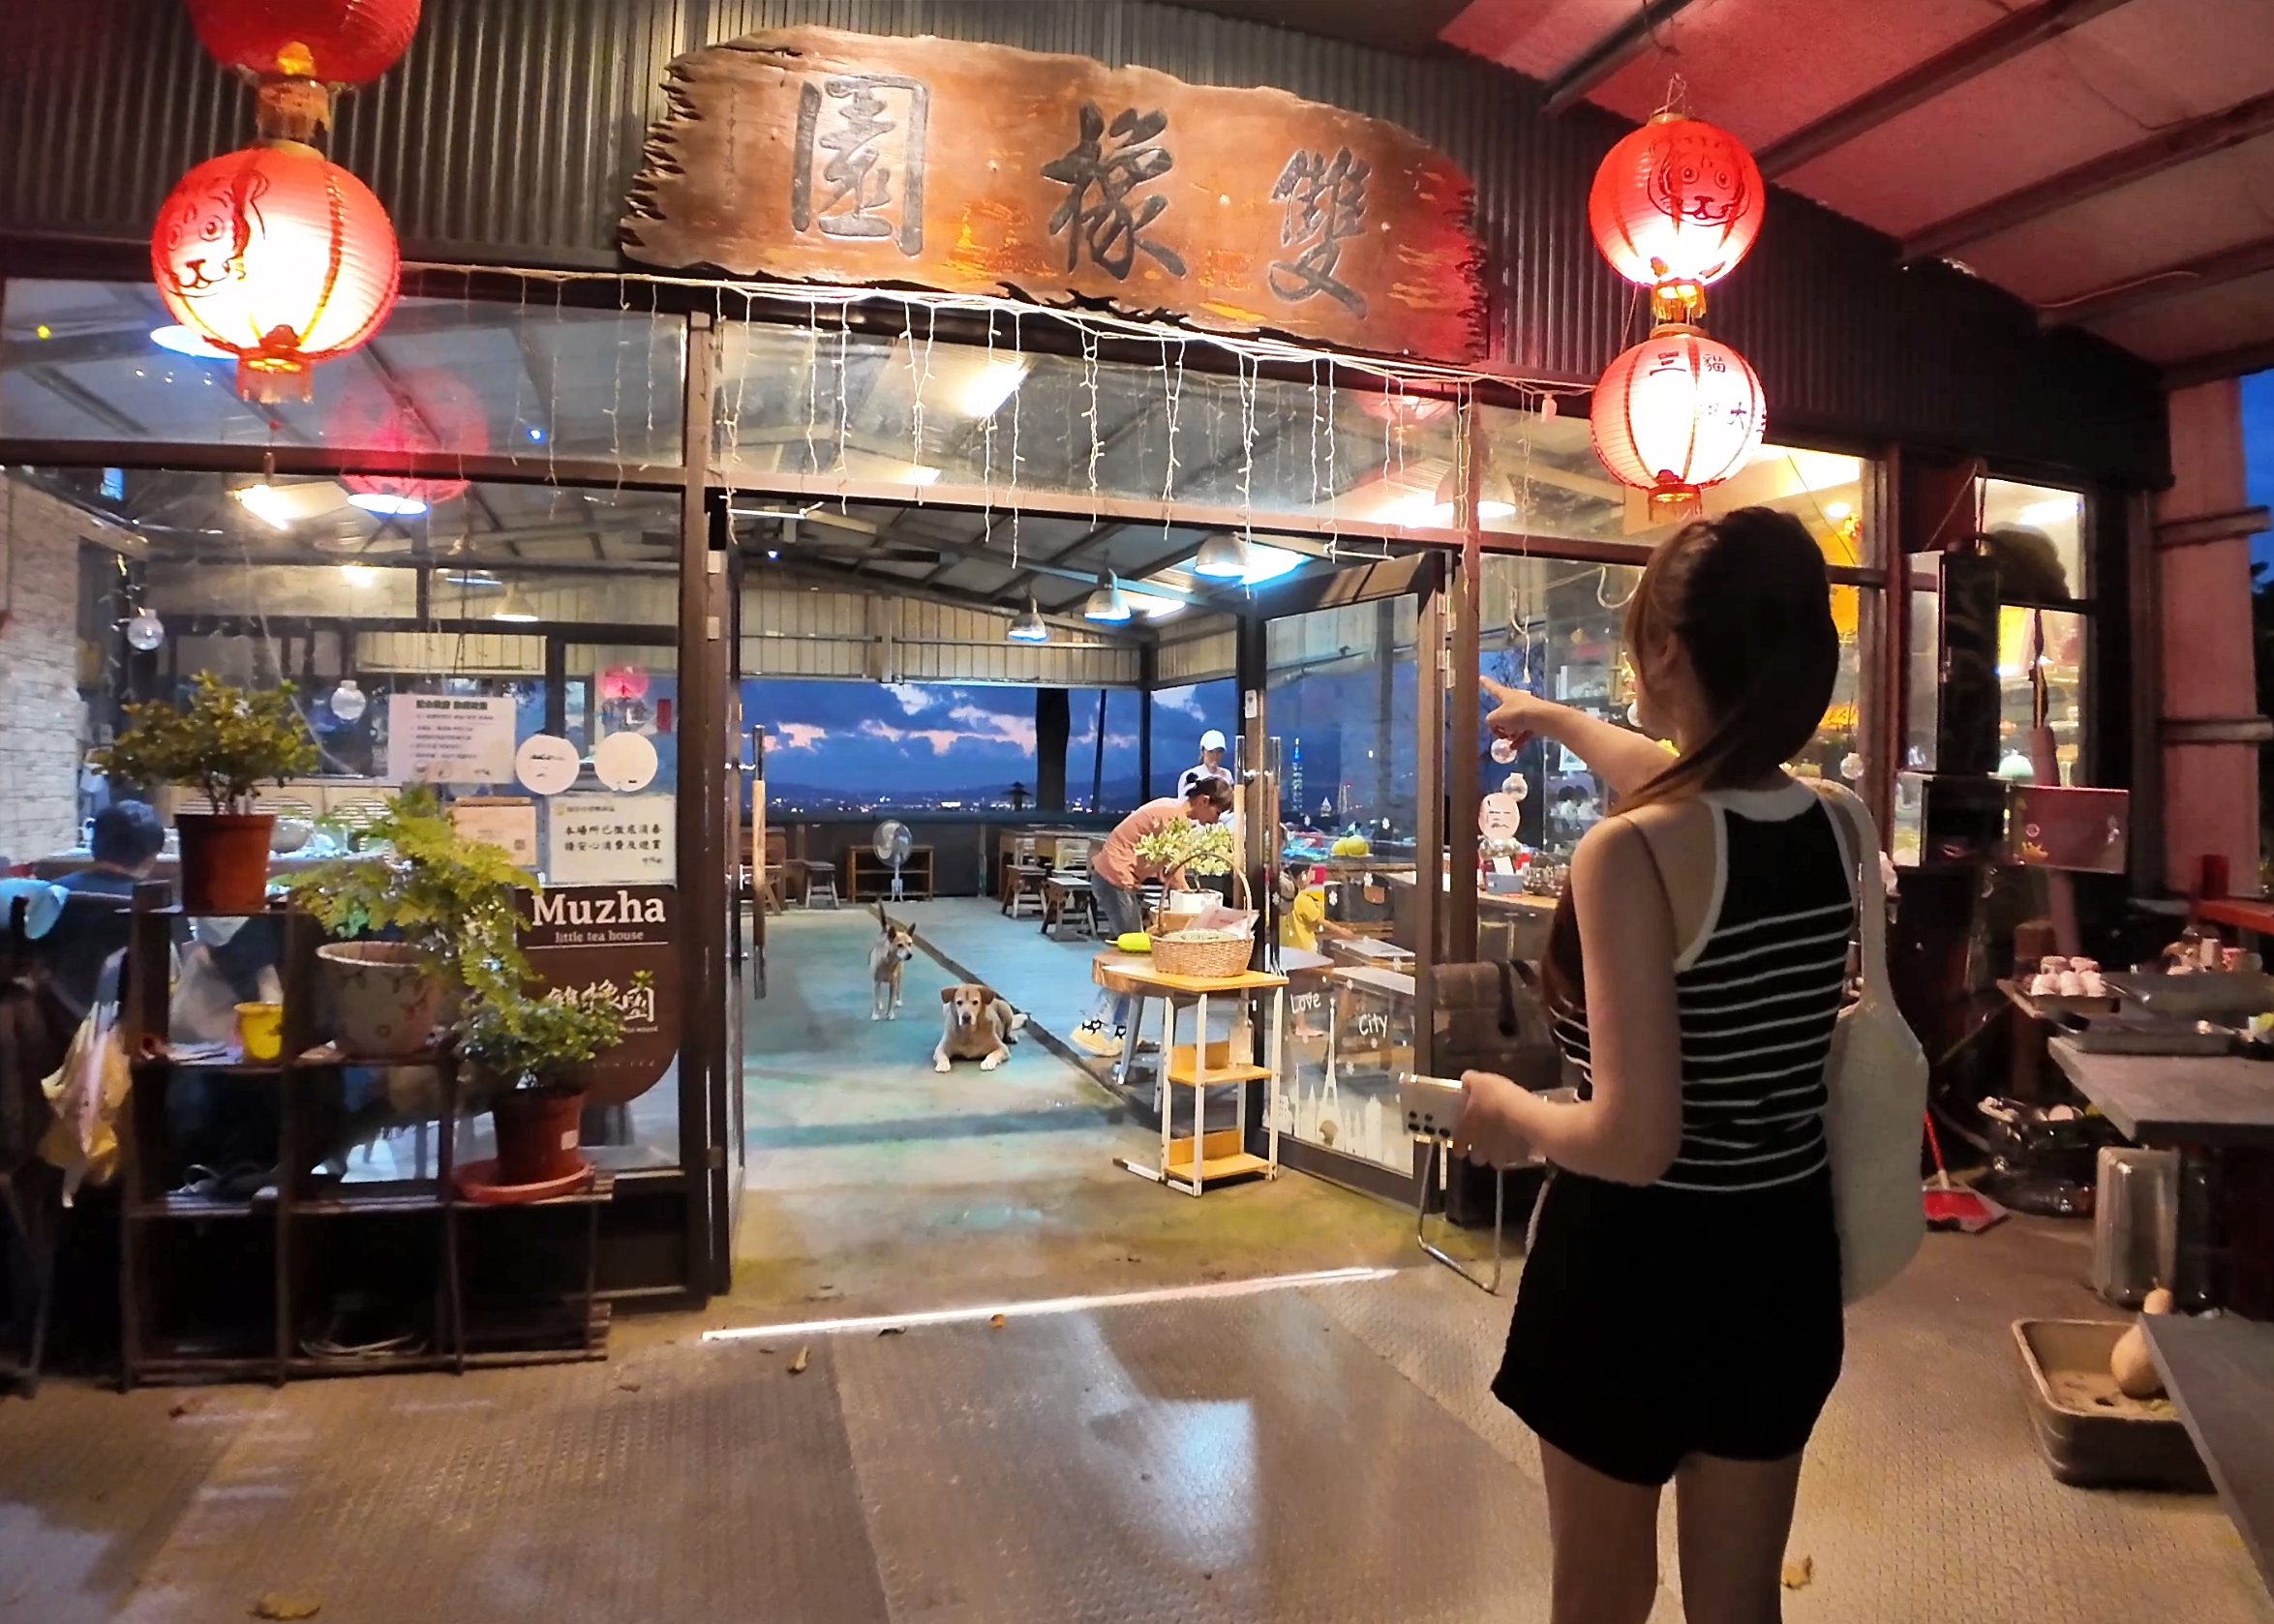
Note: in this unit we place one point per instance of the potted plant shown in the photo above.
(1184, 846)
(225, 742)
(446, 903)
(521, 1045)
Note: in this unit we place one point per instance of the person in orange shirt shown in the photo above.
(1116, 875)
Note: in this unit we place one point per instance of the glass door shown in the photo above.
(1344, 683)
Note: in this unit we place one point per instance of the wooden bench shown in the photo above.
(2220, 1373)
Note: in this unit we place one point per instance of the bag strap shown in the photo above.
(1859, 840)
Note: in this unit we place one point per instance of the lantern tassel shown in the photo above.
(287, 108)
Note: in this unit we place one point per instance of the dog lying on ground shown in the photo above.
(976, 1025)
(893, 948)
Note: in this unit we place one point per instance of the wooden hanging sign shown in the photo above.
(810, 154)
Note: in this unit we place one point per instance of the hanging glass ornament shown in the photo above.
(1504, 749)
(1851, 768)
(349, 702)
(145, 631)
(1516, 786)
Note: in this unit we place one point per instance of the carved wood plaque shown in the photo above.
(810, 154)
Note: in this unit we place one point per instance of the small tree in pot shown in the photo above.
(446, 899)
(227, 743)
(521, 1045)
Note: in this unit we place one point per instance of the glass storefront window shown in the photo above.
(91, 360)
(811, 403)
(2036, 534)
(1541, 477)
(2050, 644)
(556, 607)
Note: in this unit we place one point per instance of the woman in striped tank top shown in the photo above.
(1679, 1317)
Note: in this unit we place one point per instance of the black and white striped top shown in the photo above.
(1758, 993)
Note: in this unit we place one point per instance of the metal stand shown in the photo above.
(1436, 1160)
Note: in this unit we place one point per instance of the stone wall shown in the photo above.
(41, 714)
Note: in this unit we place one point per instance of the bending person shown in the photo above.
(1117, 876)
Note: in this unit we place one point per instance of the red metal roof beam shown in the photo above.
(2002, 40)
(1608, 54)
(2180, 143)
(2188, 276)
(2237, 362)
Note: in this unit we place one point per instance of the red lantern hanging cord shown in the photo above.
(278, 258)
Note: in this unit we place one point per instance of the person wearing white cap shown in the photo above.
(1211, 765)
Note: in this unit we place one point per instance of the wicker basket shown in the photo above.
(1202, 961)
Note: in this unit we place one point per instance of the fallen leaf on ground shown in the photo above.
(999, 1321)
(893, 1331)
(1799, 1571)
(185, 1406)
(799, 1364)
(628, 1384)
(277, 1604)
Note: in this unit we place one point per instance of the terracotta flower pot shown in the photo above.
(537, 1135)
(384, 1004)
(224, 860)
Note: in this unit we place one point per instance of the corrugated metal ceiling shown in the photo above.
(2129, 72)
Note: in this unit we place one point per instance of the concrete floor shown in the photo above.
(875, 1182)
(1312, 1456)
(1315, 1454)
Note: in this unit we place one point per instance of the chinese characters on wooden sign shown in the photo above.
(814, 154)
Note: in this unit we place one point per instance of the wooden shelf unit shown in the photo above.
(289, 1224)
(868, 878)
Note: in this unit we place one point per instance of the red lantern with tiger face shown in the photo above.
(278, 258)
(1673, 207)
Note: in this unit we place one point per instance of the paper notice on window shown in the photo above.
(509, 823)
(446, 738)
(612, 840)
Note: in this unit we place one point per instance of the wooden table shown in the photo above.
(1191, 1163)
(2201, 1105)
(2220, 1373)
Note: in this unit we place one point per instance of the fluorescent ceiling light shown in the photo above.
(386, 505)
(990, 385)
(514, 607)
(1029, 626)
(1222, 558)
(478, 580)
(269, 504)
(1269, 563)
(1108, 604)
(183, 341)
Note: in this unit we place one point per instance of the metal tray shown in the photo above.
(2051, 1005)
(2206, 994)
(2146, 1035)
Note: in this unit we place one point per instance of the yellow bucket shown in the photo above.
(260, 1029)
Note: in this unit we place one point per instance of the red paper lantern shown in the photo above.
(296, 49)
(1673, 207)
(333, 42)
(278, 257)
(621, 683)
(426, 409)
(1677, 413)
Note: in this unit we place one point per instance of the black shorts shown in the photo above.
(1655, 1324)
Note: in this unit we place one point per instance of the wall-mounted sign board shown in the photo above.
(810, 154)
